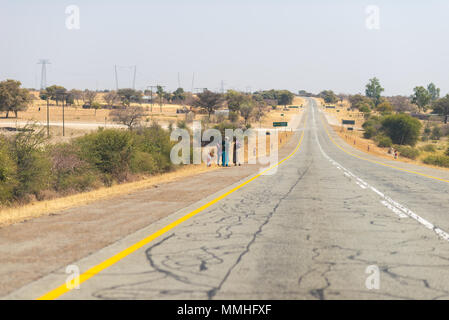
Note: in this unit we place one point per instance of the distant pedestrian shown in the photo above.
(396, 154)
(218, 152)
(234, 152)
(225, 152)
(210, 156)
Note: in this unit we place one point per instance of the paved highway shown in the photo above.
(318, 228)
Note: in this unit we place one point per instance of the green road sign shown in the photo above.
(279, 124)
(348, 121)
(293, 107)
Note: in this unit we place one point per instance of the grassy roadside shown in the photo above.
(355, 139)
(36, 209)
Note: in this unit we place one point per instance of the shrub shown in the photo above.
(143, 162)
(407, 152)
(401, 128)
(436, 133)
(447, 151)
(156, 142)
(384, 142)
(442, 161)
(371, 126)
(233, 116)
(8, 170)
(69, 171)
(369, 132)
(428, 148)
(33, 163)
(109, 151)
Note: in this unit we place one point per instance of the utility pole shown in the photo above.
(64, 95)
(179, 81)
(222, 87)
(48, 119)
(193, 81)
(160, 98)
(151, 95)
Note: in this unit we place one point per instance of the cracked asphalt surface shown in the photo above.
(309, 231)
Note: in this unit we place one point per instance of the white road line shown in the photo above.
(394, 206)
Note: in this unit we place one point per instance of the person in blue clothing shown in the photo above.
(225, 152)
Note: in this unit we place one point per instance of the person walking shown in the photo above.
(234, 152)
(219, 151)
(225, 153)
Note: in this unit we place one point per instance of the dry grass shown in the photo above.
(40, 208)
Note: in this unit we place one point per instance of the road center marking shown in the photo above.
(62, 289)
(396, 207)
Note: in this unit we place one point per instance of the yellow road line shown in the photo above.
(378, 162)
(62, 289)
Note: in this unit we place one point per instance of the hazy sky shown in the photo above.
(310, 45)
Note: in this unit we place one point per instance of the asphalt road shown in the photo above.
(316, 229)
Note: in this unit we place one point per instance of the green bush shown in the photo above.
(401, 128)
(143, 162)
(8, 171)
(109, 151)
(428, 148)
(407, 152)
(371, 126)
(447, 152)
(69, 171)
(442, 161)
(33, 163)
(156, 142)
(369, 132)
(384, 142)
(436, 133)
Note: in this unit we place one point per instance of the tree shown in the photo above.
(246, 111)
(129, 116)
(385, 107)
(160, 93)
(357, 101)
(328, 96)
(129, 95)
(441, 107)
(401, 128)
(77, 95)
(179, 95)
(90, 96)
(401, 103)
(374, 90)
(421, 97)
(55, 93)
(12, 97)
(434, 92)
(285, 97)
(209, 101)
(110, 98)
(235, 99)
